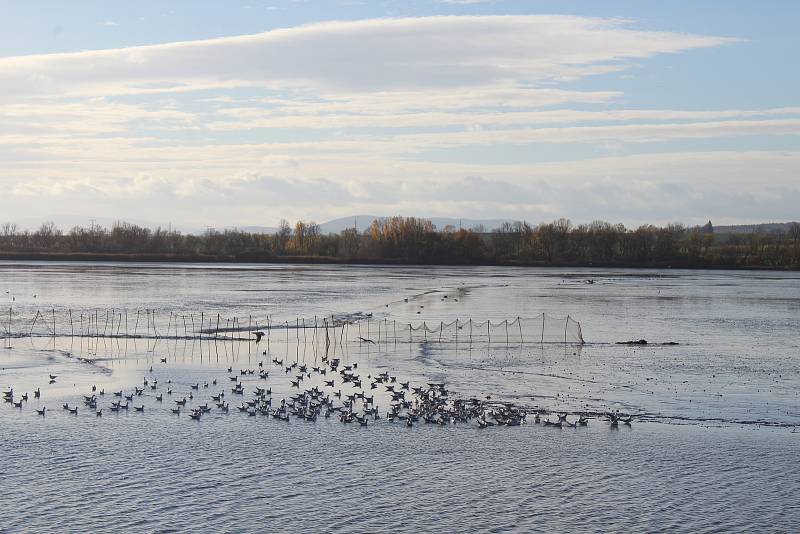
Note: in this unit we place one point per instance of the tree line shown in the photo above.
(416, 240)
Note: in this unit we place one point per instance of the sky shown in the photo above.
(241, 113)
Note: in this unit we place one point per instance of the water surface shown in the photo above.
(713, 445)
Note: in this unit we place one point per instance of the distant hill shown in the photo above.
(364, 221)
(764, 228)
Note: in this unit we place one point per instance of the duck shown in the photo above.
(42, 411)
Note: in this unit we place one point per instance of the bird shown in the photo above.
(42, 411)
(258, 335)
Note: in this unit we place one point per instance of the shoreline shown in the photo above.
(330, 260)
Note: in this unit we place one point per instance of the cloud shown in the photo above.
(337, 118)
(235, 186)
(358, 56)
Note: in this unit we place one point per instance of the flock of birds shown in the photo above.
(432, 403)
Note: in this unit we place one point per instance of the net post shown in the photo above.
(542, 327)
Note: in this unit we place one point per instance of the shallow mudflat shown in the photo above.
(712, 442)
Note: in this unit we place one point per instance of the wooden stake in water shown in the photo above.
(542, 327)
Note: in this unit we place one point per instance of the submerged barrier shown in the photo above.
(362, 328)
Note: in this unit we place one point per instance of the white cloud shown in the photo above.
(360, 56)
(119, 133)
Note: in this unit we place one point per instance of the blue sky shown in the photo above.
(631, 112)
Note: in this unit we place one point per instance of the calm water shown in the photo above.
(713, 445)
